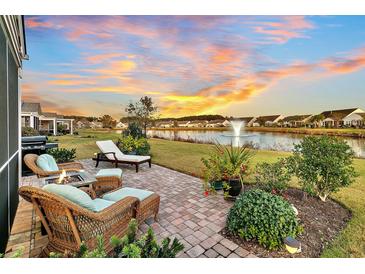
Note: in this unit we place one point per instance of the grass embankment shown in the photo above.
(185, 157)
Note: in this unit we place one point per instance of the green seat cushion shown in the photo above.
(77, 196)
(109, 172)
(117, 195)
(100, 204)
(47, 163)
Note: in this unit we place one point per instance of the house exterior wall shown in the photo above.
(11, 54)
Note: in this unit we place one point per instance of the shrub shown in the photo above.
(258, 215)
(134, 130)
(62, 155)
(323, 165)
(273, 177)
(29, 131)
(130, 145)
(130, 247)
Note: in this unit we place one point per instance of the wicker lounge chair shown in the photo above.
(111, 153)
(31, 161)
(68, 224)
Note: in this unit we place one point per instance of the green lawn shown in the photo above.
(185, 157)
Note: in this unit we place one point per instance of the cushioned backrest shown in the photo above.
(77, 196)
(47, 163)
(109, 146)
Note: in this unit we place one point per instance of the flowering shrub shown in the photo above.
(62, 155)
(130, 145)
(258, 215)
(273, 177)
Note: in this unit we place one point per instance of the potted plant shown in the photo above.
(225, 168)
(212, 173)
(235, 160)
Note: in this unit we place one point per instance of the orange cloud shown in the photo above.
(34, 22)
(284, 28)
(345, 65)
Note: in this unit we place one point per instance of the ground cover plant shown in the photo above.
(129, 246)
(261, 216)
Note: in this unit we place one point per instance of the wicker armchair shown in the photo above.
(31, 161)
(106, 184)
(68, 224)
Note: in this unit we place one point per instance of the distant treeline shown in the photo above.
(76, 117)
(127, 119)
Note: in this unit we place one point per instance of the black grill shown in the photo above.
(35, 145)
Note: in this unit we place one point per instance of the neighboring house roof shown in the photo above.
(269, 118)
(31, 107)
(297, 118)
(220, 121)
(246, 119)
(50, 114)
(338, 114)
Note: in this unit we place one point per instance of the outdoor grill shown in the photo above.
(35, 145)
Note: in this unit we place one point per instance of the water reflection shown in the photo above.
(260, 140)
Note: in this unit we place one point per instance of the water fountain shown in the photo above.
(237, 134)
(237, 125)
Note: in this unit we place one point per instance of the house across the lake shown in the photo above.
(248, 121)
(343, 117)
(217, 123)
(267, 121)
(296, 120)
(44, 122)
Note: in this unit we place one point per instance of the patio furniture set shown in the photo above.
(78, 207)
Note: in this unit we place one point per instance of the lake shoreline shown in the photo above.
(352, 133)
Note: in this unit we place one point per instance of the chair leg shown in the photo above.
(149, 163)
(137, 168)
(97, 162)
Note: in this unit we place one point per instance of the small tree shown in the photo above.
(323, 165)
(143, 111)
(108, 121)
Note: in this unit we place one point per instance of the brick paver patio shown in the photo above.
(185, 213)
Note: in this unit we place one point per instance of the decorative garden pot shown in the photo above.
(235, 187)
(217, 185)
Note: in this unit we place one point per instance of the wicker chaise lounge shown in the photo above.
(31, 161)
(68, 224)
(111, 153)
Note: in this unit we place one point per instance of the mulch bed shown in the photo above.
(322, 222)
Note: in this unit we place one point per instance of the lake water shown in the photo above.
(260, 140)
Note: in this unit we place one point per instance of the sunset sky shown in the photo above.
(229, 65)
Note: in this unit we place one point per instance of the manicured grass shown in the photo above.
(185, 157)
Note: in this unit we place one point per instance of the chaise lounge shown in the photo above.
(111, 153)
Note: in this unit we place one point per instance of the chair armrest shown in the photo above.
(71, 166)
(105, 153)
(118, 208)
(89, 191)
